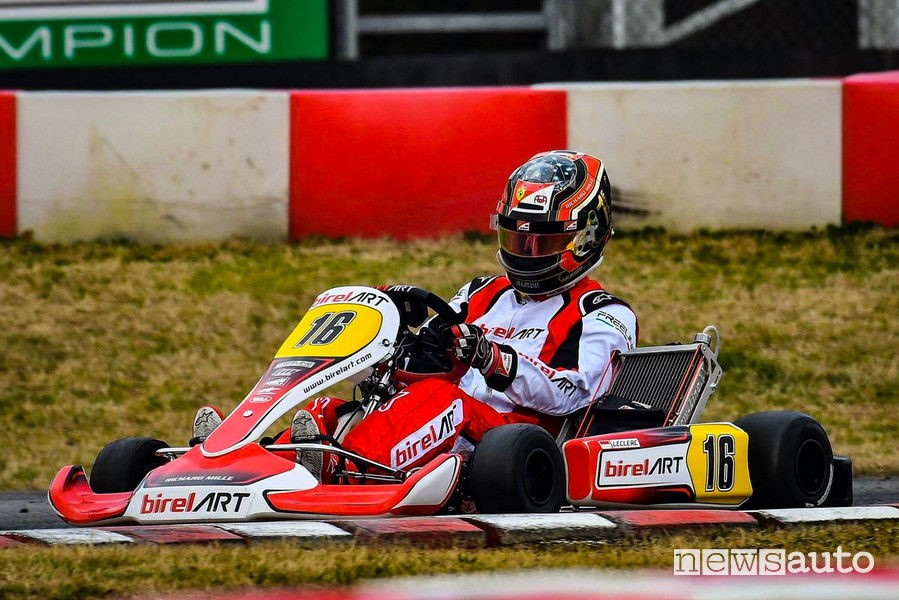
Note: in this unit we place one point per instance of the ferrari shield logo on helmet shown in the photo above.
(533, 197)
(520, 191)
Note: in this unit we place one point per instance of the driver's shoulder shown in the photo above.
(594, 298)
(483, 284)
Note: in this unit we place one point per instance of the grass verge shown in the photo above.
(101, 341)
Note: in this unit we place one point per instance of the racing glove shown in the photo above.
(496, 362)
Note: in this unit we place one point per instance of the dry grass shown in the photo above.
(102, 341)
(94, 572)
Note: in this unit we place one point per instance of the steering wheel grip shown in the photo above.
(414, 302)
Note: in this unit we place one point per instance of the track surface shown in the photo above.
(31, 510)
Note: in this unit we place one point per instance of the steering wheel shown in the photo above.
(414, 302)
(425, 351)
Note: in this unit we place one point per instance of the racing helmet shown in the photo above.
(553, 221)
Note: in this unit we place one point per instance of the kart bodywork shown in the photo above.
(638, 444)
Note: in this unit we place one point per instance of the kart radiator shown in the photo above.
(677, 380)
(669, 383)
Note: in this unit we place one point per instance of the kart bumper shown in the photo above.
(423, 493)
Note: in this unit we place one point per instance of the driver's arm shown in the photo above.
(560, 389)
(569, 380)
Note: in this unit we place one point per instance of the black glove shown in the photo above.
(498, 363)
(471, 346)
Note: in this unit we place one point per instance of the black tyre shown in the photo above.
(790, 460)
(122, 464)
(517, 469)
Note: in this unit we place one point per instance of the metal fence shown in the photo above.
(618, 24)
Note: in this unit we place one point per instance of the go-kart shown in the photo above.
(639, 443)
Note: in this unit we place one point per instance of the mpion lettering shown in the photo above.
(72, 42)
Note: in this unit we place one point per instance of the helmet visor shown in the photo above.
(521, 243)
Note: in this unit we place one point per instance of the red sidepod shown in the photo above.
(634, 467)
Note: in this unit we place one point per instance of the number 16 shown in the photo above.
(720, 460)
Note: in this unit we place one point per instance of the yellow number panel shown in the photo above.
(719, 463)
(332, 330)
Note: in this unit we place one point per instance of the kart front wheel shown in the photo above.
(122, 464)
(517, 469)
(790, 459)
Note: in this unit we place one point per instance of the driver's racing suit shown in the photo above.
(555, 353)
(559, 346)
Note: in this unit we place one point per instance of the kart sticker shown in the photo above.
(169, 504)
(332, 330)
(658, 466)
(719, 464)
(429, 436)
(271, 388)
(533, 197)
(617, 444)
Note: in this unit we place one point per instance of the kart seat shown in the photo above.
(654, 386)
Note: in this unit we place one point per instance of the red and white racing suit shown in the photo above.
(559, 346)
(554, 352)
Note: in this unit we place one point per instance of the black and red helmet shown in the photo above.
(553, 221)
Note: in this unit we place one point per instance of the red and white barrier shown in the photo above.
(412, 163)
(154, 167)
(693, 155)
(177, 166)
(870, 146)
(8, 163)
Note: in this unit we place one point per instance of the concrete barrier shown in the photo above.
(715, 155)
(8, 165)
(412, 163)
(870, 146)
(153, 167)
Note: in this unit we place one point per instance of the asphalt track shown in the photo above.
(31, 510)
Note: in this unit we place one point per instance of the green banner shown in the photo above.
(86, 33)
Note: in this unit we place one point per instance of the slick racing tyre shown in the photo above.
(517, 469)
(790, 460)
(122, 464)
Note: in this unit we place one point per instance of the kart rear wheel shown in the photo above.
(790, 459)
(517, 469)
(122, 464)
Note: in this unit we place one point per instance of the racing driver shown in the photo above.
(535, 342)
